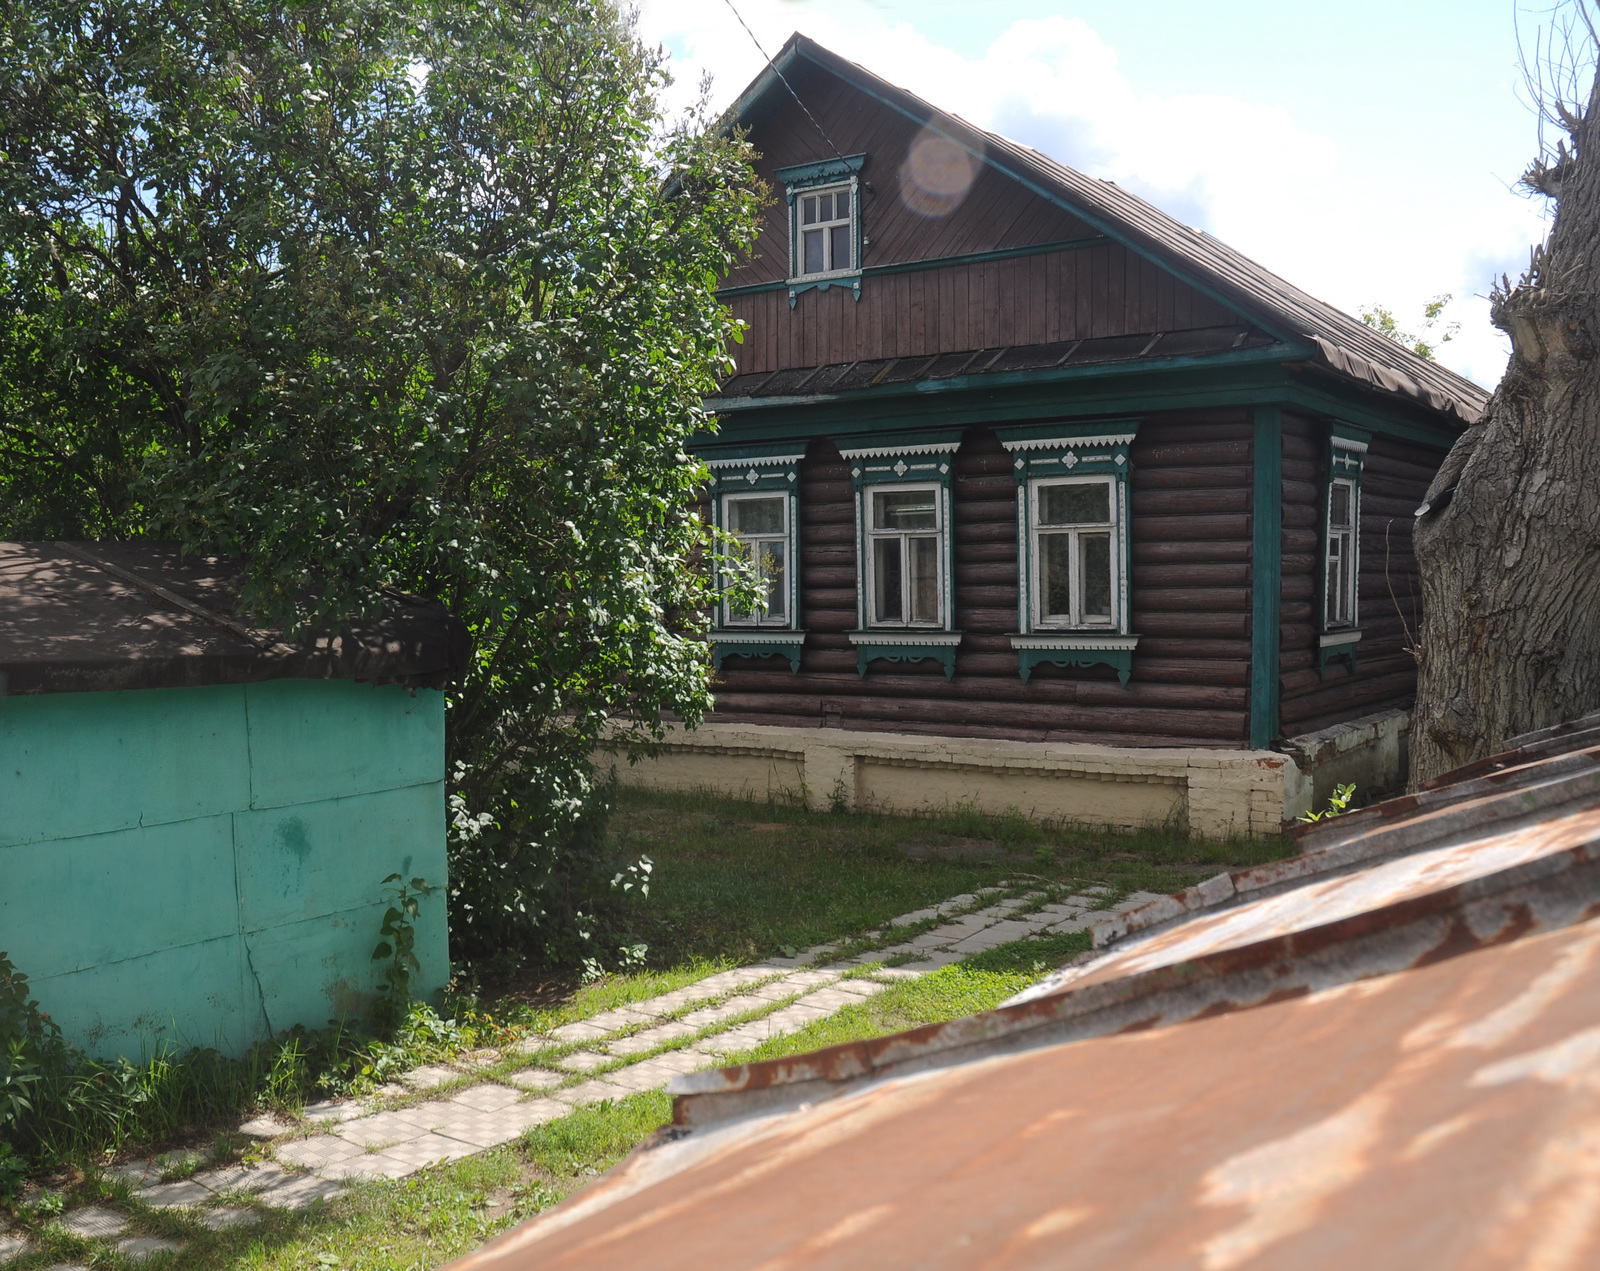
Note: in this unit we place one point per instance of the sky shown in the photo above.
(1366, 151)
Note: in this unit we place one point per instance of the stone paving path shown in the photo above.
(611, 1055)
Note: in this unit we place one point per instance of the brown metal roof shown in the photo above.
(1343, 343)
(850, 376)
(80, 617)
(1393, 1060)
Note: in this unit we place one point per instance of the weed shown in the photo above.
(397, 939)
(1338, 803)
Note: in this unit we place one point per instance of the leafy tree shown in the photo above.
(386, 295)
(1382, 320)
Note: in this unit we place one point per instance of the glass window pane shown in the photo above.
(1055, 577)
(886, 606)
(840, 247)
(924, 579)
(808, 211)
(756, 516)
(1339, 508)
(1096, 562)
(905, 510)
(772, 563)
(1082, 504)
(1335, 599)
(813, 252)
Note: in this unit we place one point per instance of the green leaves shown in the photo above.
(270, 289)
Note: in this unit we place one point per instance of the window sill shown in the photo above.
(905, 644)
(1075, 648)
(844, 278)
(1337, 644)
(757, 643)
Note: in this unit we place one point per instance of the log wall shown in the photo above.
(1394, 480)
(1190, 502)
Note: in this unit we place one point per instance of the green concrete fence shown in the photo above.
(202, 866)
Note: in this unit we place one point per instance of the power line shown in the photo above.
(821, 132)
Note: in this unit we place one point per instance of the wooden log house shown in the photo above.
(1063, 504)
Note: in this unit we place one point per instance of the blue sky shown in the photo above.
(1365, 151)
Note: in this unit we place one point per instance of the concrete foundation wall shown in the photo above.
(202, 866)
(1206, 792)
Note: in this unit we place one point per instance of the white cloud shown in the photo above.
(1339, 219)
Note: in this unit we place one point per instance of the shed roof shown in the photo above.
(80, 617)
(1342, 343)
(1389, 1059)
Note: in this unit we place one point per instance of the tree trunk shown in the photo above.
(1509, 543)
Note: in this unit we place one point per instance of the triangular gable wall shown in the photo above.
(1091, 288)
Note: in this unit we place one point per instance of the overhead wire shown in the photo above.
(821, 131)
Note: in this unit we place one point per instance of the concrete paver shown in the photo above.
(173, 1195)
(222, 1219)
(138, 1248)
(535, 1078)
(13, 1247)
(95, 1223)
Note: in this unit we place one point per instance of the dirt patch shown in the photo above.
(949, 848)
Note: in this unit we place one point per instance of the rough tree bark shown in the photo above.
(1508, 542)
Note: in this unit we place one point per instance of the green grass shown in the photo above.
(745, 880)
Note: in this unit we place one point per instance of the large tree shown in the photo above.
(1509, 542)
(385, 295)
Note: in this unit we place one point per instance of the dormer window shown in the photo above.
(824, 224)
(827, 222)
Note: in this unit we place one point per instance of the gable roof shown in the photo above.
(1343, 343)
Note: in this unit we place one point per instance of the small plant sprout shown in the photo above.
(1338, 803)
(397, 939)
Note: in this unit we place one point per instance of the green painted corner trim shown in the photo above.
(1266, 575)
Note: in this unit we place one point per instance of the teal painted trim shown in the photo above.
(823, 172)
(1272, 355)
(735, 648)
(853, 281)
(1050, 196)
(1411, 425)
(1121, 660)
(908, 652)
(1266, 575)
(947, 438)
(933, 262)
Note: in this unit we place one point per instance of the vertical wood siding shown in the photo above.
(1190, 598)
(1394, 480)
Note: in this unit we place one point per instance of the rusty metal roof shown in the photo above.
(1341, 342)
(80, 617)
(1390, 1058)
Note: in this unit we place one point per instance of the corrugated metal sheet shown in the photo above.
(1391, 1060)
(1342, 342)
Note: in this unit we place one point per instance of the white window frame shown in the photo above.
(760, 617)
(1113, 527)
(799, 229)
(1350, 593)
(870, 537)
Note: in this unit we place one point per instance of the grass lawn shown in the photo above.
(732, 882)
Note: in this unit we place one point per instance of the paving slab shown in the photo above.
(374, 1131)
(266, 1126)
(13, 1246)
(590, 1092)
(1070, 925)
(858, 988)
(914, 917)
(243, 1178)
(899, 973)
(331, 1110)
(524, 1116)
(829, 1000)
(370, 1165)
(535, 1078)
(136, 1172)
(579, 1031)
(300, 1191)
(990, 937)
(138, 1248)
(650, 1038)
(174, 1195)
(812, 979)
(428, 1076)
(223, 1219)
(66, 1266)
(317, 1152)
(95, 1223)
(621, 1017)
(583, 1061)
(490, 1097)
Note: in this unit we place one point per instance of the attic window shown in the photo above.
(824, 201)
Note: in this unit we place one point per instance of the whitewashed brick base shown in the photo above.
(1207, 792)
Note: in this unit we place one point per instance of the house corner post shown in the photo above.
(1266, 574)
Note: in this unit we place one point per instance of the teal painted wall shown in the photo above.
(202, 866)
